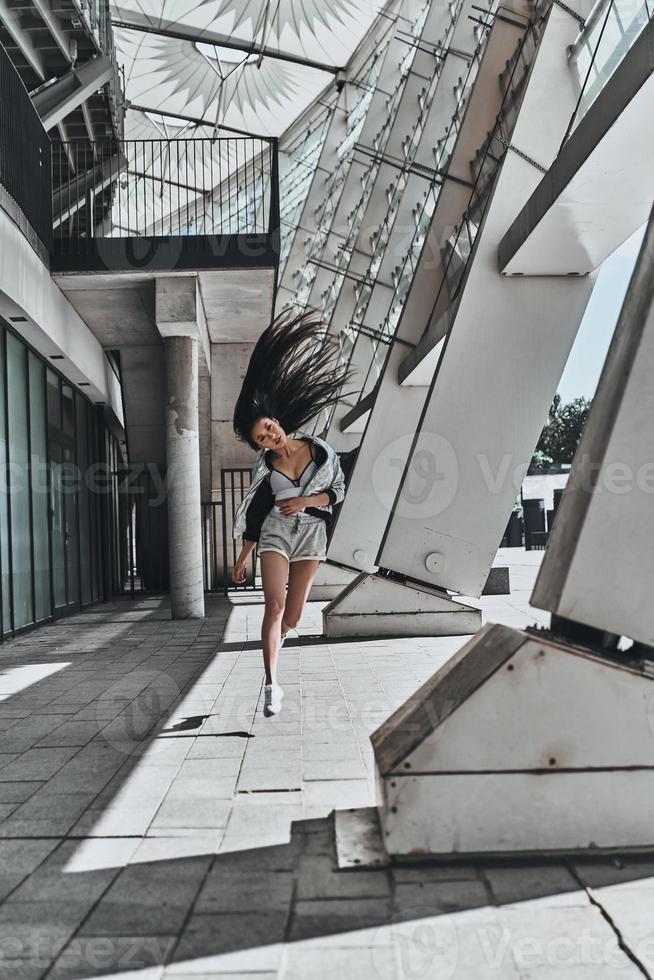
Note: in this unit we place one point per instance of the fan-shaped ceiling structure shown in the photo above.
(249, 65)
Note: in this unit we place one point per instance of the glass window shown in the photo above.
(71, 522)
(97, 499)
(19, 487)
(50, 516)
(4, 503)
(39, 481)
(69, 413)
(84, 503)
(54, 400)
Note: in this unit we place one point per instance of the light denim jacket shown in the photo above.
(328, 478)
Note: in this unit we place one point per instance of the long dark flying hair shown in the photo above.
(293, 374)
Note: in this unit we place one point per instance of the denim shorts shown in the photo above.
(295, 536)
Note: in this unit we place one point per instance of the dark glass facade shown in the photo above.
(57, 495)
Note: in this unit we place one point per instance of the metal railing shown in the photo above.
(234, 483)
(219, 553)
(24, 152)
(161, 188)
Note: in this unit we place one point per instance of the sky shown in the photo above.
(589, 351)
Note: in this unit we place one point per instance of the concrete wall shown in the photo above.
(229, 362)
(53, 326)
(143, 377)
(205, 425)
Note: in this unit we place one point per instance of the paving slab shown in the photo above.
(203, 841)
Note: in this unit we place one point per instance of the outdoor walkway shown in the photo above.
(154, 824)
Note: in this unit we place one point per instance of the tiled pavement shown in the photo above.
(154, 824)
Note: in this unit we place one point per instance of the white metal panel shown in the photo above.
(547, 708)
(598, 568)
(514, 812)
(605, 202)
(375, 605)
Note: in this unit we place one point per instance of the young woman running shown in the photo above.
(292, 376)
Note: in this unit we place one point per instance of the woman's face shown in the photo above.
(268, 434)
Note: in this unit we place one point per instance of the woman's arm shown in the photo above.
(246, 548)
(238, 571)
(317, 499)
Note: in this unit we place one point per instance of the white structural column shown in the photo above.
(598, 568)
(177, 306)
(499, 368)
(449, 475)
(524, 742)
(394, 416)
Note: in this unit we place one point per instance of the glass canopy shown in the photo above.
(248, 65)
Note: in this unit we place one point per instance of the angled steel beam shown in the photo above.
(10, 18)
(134, 20)
(88, 122)
(196, 121)
(54, 26)
(54, 102)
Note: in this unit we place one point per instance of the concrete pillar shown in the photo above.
(177, 319)
(183, 473)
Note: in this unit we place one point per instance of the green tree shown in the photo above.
(561, 433)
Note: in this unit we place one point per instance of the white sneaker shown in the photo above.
(272, 699)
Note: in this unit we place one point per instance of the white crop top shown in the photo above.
(283, 487)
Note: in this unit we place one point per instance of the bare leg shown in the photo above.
(274, 575)
(300, 579)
